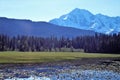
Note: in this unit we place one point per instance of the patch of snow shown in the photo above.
(108, 32)
(94, 25)
(65, 18)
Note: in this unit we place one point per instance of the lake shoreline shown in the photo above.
(75, 62)
(25, 70)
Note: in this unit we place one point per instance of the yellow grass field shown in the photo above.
(37, 57)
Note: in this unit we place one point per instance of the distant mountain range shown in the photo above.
(83, 19)
(14, 27)
(78, 22)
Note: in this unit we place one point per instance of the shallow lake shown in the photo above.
(75, 75)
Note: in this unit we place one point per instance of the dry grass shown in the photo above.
(36, 57)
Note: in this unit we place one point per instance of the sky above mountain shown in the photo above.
(45, 10)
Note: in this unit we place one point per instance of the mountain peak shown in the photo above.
(83, 19)
(80, 11)
(76, 10)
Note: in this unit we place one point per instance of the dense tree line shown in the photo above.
(98, 44)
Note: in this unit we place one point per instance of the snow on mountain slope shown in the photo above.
(83, 19)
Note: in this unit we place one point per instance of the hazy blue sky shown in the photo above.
(44, 10)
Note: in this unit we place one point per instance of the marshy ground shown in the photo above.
(53, 66)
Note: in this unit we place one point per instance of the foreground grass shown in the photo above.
(36, 57)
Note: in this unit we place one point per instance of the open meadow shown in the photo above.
(37, 57)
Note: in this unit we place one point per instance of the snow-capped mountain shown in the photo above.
(83, 19)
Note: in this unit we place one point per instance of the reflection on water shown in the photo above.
(76, 75)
